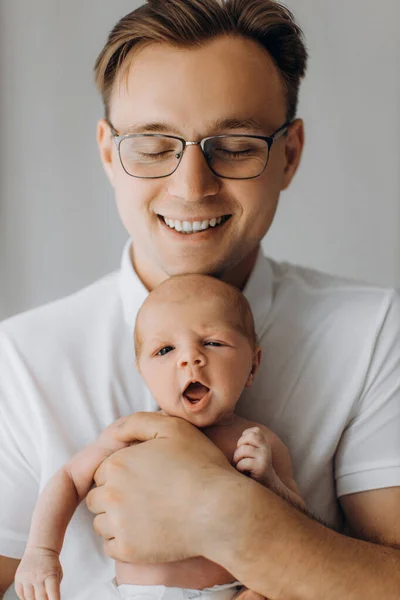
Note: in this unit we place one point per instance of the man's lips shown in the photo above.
(193, 228)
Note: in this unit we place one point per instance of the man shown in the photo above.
(171, 73)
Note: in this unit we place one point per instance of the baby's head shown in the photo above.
(196, 347)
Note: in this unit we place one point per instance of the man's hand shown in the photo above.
(246, 594)
(162, 489)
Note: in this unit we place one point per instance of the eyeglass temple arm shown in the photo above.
(111, 126)
(281, 130)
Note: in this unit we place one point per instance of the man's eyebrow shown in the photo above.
(217, 126)
(151, 128)
(234, 123)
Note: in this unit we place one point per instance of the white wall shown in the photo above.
(342, 213)
(58, 226)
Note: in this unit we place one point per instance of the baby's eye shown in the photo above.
(213, 344)
(164, 350)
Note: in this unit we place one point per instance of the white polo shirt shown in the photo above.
(329, 386)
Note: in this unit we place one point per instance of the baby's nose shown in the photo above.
(194, 359)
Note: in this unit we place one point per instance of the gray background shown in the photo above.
(58, 226)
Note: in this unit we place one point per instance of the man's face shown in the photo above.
(187, 92)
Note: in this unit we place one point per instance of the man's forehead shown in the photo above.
(214, 92)
(221, 124)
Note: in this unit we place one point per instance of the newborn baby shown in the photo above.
(196, 349)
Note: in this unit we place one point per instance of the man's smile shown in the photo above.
(194, 225)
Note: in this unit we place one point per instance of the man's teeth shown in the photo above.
(192, 227)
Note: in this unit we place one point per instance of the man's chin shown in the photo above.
(197, 266)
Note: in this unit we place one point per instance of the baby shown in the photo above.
(196, 349)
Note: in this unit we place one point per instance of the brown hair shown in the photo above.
(190, 23)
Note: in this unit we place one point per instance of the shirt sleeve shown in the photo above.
(19, 479)
(368, 456)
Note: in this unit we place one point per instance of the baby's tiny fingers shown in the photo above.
(28, 592)
(252, 430)
(40, 592)
(19, 590)
(53, 588)
(253, 438)
(245, 451)
(246, 464)
(249, 440)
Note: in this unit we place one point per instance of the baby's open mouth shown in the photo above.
(195, 391)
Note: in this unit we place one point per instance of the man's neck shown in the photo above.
(240, 273)
(151, 276)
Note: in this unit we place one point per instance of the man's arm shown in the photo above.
(283, 554)
(8, 566)
(214, 511)
(374, 515)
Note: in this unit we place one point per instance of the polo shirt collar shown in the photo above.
(258, 290)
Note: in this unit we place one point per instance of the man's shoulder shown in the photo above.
(65, 314)
(311, 289)
(315, 279)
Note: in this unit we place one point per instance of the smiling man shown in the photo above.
(199, 138)
(205, 206)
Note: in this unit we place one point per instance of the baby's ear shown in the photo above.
(137, 363)
(257, 355)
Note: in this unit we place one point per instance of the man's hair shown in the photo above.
(191, 23)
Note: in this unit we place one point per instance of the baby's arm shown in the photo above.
(40, 570)
(262, 455)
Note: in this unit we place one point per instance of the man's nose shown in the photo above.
(193, 180)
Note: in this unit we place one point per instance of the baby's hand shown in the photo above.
(39, 575)
(253, 456)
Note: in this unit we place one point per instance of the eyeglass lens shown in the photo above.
(239, 157)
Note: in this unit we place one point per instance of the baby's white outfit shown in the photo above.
(161, 592)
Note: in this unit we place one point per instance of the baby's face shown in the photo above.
(194, 359)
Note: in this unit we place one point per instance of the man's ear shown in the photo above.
(293, 151)
(257, 355)
(105, 143)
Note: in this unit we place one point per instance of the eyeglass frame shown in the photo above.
(118, 138)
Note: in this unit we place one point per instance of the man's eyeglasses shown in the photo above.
(234, 156)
